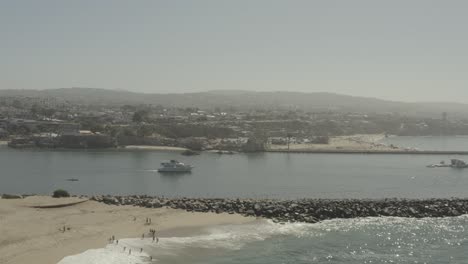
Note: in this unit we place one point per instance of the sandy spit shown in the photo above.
(162, 148)
(364, 142)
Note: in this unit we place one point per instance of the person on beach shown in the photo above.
(125, 248)
(129, 251)
(141, 250)
(157, 240)
(143, 236)
(117, 242)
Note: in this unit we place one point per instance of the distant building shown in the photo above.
(70, 130)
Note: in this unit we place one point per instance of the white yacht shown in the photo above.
(174, 166)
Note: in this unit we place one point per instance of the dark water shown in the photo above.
(252, 175)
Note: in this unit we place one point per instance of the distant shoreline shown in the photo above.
(120, 148)
(351, 144)
(148, 147)
(294, 151)
(396, 152)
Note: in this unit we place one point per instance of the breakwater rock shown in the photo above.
(301, 210)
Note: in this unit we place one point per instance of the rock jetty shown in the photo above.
(301, 210)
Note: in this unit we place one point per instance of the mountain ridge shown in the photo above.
(241, 99)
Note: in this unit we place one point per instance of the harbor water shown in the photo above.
(273, 175)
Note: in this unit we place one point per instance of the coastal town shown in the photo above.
(49, 122)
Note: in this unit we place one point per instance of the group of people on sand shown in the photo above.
(153, 235)
(152, 232)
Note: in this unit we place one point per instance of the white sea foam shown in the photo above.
(231, 237)
(112, 254)
(235, 237)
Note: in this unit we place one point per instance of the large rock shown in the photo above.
(110, 200)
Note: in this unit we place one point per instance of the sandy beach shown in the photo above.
(35, 235)
(161, 148)
(363, 142)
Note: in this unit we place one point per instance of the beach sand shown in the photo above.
(161, 148)
(34, 235)
(363, 142)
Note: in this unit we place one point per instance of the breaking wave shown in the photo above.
(384, 233)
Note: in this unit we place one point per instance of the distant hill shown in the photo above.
(248, 100)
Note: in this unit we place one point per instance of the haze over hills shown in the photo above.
(248, 100)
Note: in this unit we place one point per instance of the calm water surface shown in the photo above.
(253, 175)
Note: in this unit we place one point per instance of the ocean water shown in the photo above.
(353, 241)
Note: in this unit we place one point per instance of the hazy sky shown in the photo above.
(403, 50)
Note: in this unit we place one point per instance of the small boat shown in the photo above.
(174, 166)
(454, 163)
(459, 164)
(72, 179)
